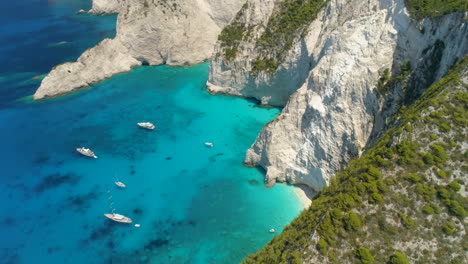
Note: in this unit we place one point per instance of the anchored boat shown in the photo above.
(118, 218)
(120, 184)
(146, 125)
(86, 152)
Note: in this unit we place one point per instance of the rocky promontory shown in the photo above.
(148, 33)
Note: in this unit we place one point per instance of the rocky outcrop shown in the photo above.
(335, 68)
(87, 70)
(107, 6)
(148, 32)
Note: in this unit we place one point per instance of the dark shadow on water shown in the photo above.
(254, 182)
(55, 180)
(138, 211)
(42, 159)
(105, 230)
(81, 201)
(9, 221)
(156, 243)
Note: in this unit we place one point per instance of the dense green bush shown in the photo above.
(364, 255)
(413, 177)
(427, 209)
(406, 221)
(398, 258)
(439, 152)
(420, 9)
(426, 191)
(454, 186)
(455, 208)
(375, 198)
(442, 174)
(449, 228)
(322, 246)
(353, 222)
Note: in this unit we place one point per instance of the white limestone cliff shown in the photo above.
(335, 69)
(106, 6)
(149, 32)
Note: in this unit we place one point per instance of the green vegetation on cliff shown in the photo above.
(421, 9)
(403, 201)
(233, 34)
(287, 23)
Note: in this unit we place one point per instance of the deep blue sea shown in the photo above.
(195, 204)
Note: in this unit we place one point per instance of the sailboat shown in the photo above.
(119, 218)
(116, 217)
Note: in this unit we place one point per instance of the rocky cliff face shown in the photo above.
(148, 32)
(335, 68)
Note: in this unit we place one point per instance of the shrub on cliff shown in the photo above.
(364, 255)
(455, 208)
(449, 228)
(406, 221)
(322, 246)
(454, 186)
(398, 258)
(353, 222)
(420, 9)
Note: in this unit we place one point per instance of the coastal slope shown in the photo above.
(148, 33)
(324, 64)
(403, 201)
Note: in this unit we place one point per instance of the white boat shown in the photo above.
(146, 125)
(209, 144)
(86, 152)
(271, 230)
(118, 218)
(120, 184)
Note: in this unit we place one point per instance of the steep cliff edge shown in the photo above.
(148, 32)
(403, 201)
(335, 65)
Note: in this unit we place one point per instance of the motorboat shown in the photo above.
(209, 144)
(146, 125)
(271, 230)
(120, 184)
(119, 218)
(86, 152)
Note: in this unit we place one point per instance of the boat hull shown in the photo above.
(124, 220)
(146, 126)
(87, 154)
(120, 184)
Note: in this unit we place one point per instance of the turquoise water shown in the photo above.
(195, 204)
